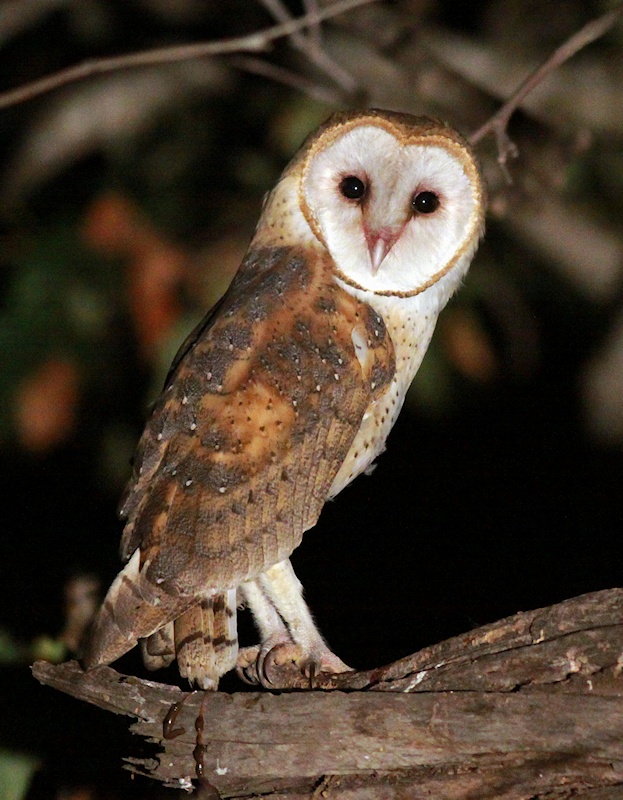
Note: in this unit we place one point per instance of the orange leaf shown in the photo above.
(46, 405)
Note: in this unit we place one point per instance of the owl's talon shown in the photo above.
(248, 675)
(287, 663)
(275, 659)
(246, 665)
(310, 669)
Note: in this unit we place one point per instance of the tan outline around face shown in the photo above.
(428, 132)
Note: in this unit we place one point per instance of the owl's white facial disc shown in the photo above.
(417, 217)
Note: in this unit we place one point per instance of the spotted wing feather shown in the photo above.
(241, 449)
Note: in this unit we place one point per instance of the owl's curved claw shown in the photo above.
(288, 665)
(248, 675)
(310, 669)
(246, 665)
(284, 664)
(265, 664)
(277, 660)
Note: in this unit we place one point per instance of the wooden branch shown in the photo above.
(254, 42)
(531, 706)
(498, 123)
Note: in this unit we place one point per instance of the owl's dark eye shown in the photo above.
(425, 202)
(352, 187)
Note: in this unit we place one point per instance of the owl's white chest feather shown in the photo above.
(410, 322)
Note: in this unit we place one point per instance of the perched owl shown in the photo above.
(287, 391)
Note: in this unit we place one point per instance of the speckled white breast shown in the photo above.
(410, 322)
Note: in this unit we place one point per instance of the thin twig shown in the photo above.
(330, 67)
(281, 14)
(286, 77)
(255, 42)
(310, 48)
(498, 123)
(315, 31)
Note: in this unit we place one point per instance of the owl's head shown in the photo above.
(397, 200)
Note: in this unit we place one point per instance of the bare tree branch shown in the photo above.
(255, 42)
(533, 647)
(286, 77)
(310, 46)
(314, 32)
(498, 123)
(530, 706)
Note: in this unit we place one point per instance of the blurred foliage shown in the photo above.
(127, 201)
(16, 772)
(43, 647)
(129, 198)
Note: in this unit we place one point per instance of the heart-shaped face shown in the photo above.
(398, 206)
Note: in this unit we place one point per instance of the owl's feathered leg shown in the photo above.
(273, 633)
(206, 640)
(286, 626)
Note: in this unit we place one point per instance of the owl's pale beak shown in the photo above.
(380, 242)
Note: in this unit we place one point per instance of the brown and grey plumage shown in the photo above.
(238, 457)
(287, 391)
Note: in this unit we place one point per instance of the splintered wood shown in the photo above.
(528, 707)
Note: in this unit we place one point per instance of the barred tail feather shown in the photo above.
(133, 609)
(206, 639)
(226, 632)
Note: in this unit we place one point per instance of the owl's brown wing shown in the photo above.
(255, 266)
(241, 449)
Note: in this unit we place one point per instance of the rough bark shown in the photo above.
(528, 707)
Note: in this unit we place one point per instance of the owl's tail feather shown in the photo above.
(159, 648)
(206, 639)
(133, 609)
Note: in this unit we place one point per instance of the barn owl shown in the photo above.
(286, 391)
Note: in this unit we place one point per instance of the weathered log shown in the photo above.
(531, 706)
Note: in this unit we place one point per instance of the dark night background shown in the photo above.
(126, 203)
